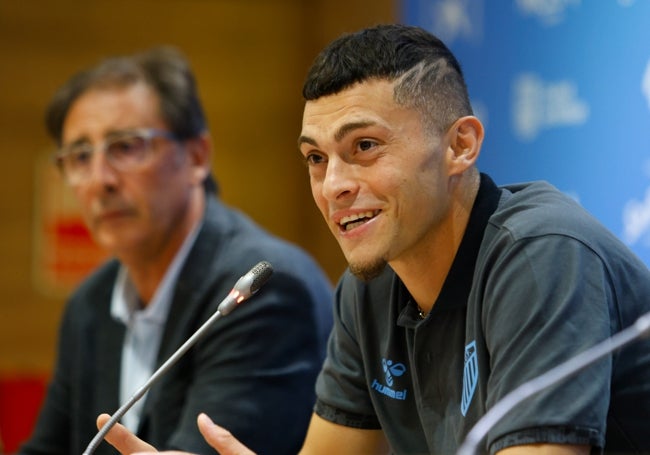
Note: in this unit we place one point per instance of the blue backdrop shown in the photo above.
(563, 88)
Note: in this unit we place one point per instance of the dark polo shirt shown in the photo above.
(536, 281)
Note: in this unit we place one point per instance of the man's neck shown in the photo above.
(147, 268)
(425, 270)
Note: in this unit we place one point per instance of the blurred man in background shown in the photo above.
(135, 149)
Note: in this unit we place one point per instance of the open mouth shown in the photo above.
(350, 222)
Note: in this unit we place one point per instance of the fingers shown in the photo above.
(220, 438)
(122, 439)
(129, 444)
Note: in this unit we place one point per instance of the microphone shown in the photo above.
(640, 329)
(244, 288)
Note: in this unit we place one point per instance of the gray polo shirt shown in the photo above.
(536, 280)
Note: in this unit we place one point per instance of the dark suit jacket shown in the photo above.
(253, 372)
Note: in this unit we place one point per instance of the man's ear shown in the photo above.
(465, 139)
(200, 154)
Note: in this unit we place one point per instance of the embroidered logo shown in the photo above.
(391, 371)
(470, 376)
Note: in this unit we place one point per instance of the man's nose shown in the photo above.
(101, 171)
(340, 179)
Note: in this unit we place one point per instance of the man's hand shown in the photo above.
(122, 439)
(218, 437)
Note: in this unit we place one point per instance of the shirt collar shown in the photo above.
(458, 284)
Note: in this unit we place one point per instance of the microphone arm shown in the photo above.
(245, 287)
(640, 329)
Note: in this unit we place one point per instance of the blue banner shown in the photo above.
(563, 89)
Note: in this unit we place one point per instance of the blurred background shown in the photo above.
(563, 87)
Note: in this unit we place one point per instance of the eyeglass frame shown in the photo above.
(146, 134)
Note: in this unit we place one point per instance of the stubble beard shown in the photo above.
(369, 270)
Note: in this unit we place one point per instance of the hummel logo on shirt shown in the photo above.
(391, 371)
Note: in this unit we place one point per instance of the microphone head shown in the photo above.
(250, 283)
(261, 272)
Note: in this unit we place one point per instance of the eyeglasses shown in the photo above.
(125, 151)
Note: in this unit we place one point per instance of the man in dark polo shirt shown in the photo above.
(458, 290)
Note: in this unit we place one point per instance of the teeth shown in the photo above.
(352, 221)
(351, 226)
(358, 216)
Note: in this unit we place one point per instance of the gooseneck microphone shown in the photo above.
(640, 329)
(245, 287)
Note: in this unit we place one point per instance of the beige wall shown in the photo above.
(249, 57)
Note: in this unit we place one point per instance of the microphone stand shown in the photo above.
(245, 287)
(154, 377)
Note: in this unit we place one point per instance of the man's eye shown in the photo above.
(125, 146)
(313, 159)
(121, 145)
(80, 157)
(366, 145)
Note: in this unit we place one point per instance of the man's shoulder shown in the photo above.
(93, 295)
(99, 281)
(533, 196)
(538, 208)
(539, 212)
(235, 240)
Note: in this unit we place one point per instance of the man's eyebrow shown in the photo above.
(84, 139)
(306, 140)
(349, 127)
(340, 133)
(77, 141)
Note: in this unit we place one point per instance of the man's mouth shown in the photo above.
(350, 222)
(114, 214)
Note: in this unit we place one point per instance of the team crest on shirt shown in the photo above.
(470, 376)
(391, 371)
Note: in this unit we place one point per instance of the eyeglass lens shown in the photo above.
(124, 152)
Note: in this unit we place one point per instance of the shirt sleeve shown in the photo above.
(547, 301)
(341, 388)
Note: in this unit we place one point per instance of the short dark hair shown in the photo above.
(430, 77)
(162, 68)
